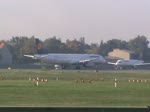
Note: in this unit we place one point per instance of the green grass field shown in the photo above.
(62, 89)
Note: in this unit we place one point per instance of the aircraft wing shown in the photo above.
(87, 60)
(111, 63)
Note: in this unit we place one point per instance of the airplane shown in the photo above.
(75, 59)
(122, 63)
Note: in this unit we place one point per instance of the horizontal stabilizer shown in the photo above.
(31, 56)
(36, 56)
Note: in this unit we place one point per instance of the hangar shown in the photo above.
(5, 55)
(121, 54)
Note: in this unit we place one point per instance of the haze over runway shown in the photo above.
(95, 20)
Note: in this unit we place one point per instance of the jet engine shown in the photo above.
(88, 64)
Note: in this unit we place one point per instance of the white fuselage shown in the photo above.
(128, 62)
(69, 58)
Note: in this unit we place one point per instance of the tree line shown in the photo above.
(19, 46)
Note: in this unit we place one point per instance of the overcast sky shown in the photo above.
(95, 20)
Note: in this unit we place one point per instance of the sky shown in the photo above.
(95, 20)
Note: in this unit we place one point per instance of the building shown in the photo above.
(121, 54)
(5, 55)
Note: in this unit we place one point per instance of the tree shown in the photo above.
(19, 46)
(139, 45)
(75, 46)
(16, 46)
(29, 47)
(112, 44)
(94, 49)
(53, 45)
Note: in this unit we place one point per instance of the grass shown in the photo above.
(17, 90)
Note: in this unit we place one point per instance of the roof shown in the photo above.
(2, 45)
(125, 50)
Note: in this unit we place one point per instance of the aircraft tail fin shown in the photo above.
(39, 46)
